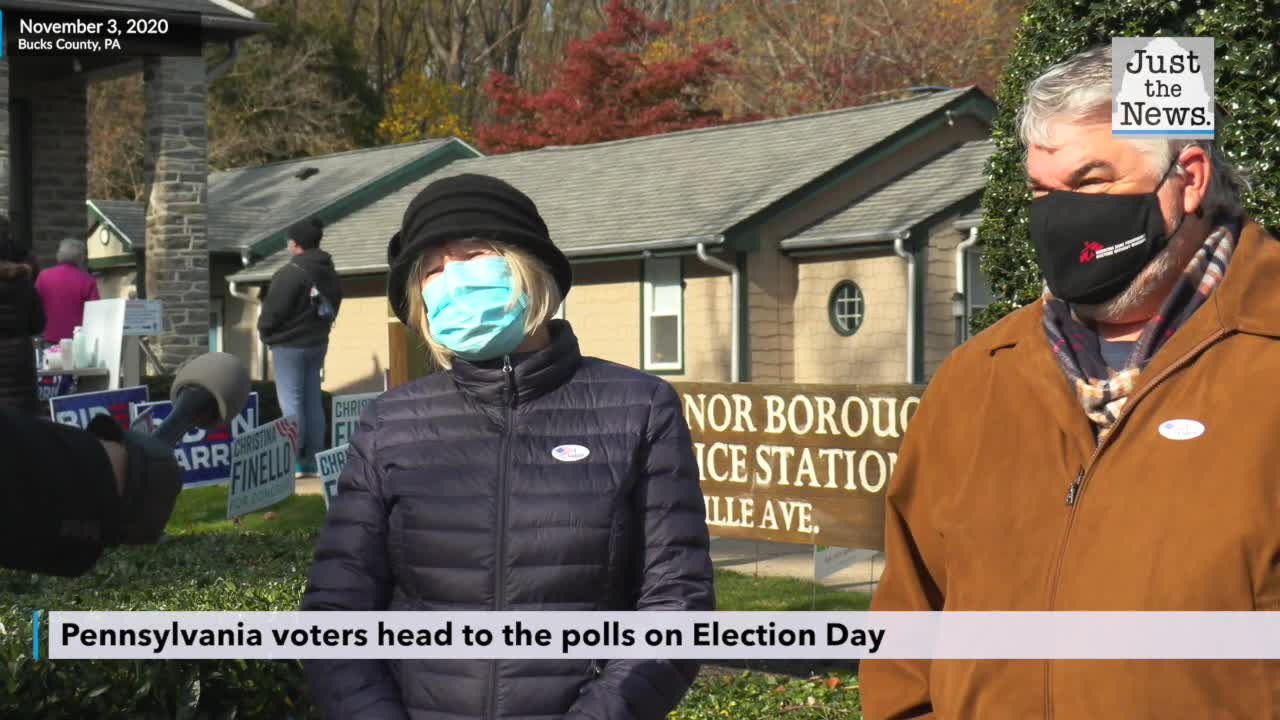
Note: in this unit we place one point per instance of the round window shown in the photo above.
(846, 308)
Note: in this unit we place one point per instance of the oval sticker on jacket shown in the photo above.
(1181, 429)
(569, 453)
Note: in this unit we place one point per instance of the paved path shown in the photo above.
(781, 560)
(751, 557)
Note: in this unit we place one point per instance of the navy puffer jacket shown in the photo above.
(452, 500)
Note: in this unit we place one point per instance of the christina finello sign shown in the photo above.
(1162, 87)
(803, 464)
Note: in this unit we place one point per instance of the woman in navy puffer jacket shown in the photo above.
(523, 477)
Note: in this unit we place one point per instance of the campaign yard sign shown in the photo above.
(346, 415)
(330, 463)
(204, 455)
(52, 386)
(262, 467)
(78, 410)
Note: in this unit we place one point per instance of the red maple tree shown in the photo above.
(621, 82)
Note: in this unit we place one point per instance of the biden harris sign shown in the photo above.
(203, 455)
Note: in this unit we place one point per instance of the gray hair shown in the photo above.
(74, 251)
(1079, 88)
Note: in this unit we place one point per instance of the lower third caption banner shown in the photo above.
(663, 635)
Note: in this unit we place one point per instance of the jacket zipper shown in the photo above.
(503, 464)
(1082, 477)
(1074, 490)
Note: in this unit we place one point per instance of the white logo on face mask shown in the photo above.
(569, 453)
(1118, 248)
(1182, 429)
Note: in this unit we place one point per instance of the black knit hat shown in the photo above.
(467, 206)
(307, 233)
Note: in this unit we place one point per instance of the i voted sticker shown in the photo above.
(1181, 429)
(569, 453)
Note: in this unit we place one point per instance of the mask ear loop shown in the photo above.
(1199, 212)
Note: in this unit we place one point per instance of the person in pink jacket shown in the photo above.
(64, 289)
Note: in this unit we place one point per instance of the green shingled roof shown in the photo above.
(249, 205)
(254, 205)
(903, 203)
(126, 217)
(661, 191)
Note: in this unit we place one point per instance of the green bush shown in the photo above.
(221, 571)
(761, 696)
(1247, 88)
(209, 563)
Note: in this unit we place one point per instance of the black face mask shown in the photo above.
(1091, 246)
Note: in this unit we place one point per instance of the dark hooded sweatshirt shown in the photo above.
(21, 317)
(288, 319)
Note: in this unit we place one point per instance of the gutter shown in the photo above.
(217, 71)
(248, 299)
(962, 263)
(735, 282)
(825, 242)
(900, 250)
(624, 247)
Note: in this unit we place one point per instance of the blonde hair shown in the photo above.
(528, 276)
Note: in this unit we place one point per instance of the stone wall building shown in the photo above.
(44, 161)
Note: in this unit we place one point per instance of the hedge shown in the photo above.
(1247, 88)
(216, 571)
(208, 563)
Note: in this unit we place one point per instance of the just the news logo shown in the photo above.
(1162, 87)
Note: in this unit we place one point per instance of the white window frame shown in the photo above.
(648, 313)
(859, 311)
(972, 269)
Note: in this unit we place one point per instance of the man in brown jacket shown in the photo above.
(1115, 446)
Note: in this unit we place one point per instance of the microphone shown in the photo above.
(208, 391)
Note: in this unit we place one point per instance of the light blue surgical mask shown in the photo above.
(469, 309)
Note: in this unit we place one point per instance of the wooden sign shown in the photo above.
(804, 464)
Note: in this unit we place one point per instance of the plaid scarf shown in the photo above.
(1104, 391)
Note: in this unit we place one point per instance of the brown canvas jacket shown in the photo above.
(978, 519)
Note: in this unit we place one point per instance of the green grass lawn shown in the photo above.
(736, 591)
(719, 693)
(204, 510)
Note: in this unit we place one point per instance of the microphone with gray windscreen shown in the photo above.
(208, 391)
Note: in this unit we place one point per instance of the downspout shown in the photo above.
(962, 264)
(735, 279)
(212, 74)
(217, 71)
(900, 250)
(248, 299)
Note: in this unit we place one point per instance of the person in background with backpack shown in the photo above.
(301, 304)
